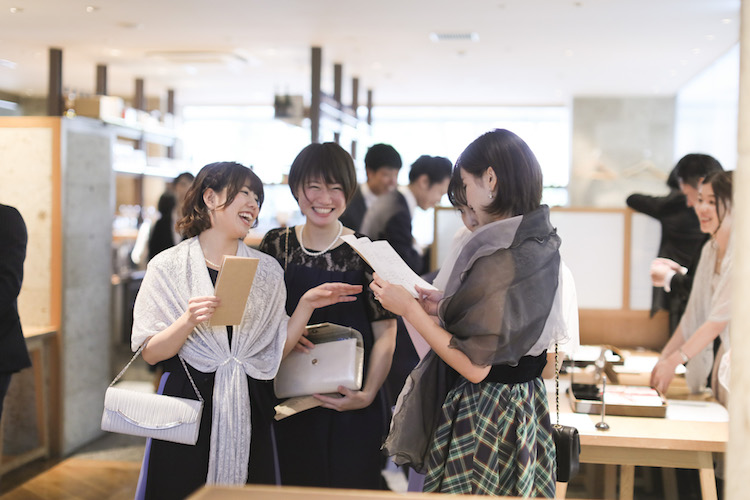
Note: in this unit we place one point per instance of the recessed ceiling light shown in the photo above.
(454, 37)
(726, 21)
(16, 10)
(91, 8)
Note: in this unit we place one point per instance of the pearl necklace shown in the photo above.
(216, 266)
(330, 245)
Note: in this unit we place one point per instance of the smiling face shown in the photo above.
(322, 204)
(238, 217)
(705, 208)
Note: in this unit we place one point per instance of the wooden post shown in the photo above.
(55, 100)
(338, 72)
(101, 79)
(369, 106)
(171, 111)
(317, 59)
(355, 95)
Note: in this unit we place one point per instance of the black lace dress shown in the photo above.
(322, 447)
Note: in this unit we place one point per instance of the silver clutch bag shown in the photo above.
(337, 360)
(137, 413)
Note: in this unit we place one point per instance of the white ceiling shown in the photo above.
(529, 51)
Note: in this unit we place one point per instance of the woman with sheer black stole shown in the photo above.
(479, 394)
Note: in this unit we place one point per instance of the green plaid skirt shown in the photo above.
(493, 439)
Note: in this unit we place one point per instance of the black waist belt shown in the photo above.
(528, 368)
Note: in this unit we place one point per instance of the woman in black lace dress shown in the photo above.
(337, 444)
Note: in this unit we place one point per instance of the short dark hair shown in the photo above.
(519, 176)
(167, 202)
(721, 183)
(436, 168)
(456, 190)
(329, 162)
(382, 156)
(187, 176)
(693, 167)
(216, 176)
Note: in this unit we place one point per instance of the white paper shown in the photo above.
(385, 261)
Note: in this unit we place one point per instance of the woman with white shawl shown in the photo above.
(707, 312)
(232, 366)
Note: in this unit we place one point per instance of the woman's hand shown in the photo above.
(350, 400)
(663, 373)
(429, 299)
(201, 309)
(394, 298)
(331, 293)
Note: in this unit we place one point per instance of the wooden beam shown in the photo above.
(338, 72)
(101, 79)
(316, 65)
(55, 100)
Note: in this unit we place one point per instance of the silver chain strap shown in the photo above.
(557, 388)
(192, 382)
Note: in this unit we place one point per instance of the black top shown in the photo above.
(176, 470)
(13, 237)
(322, 447)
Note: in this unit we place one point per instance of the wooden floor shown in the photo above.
(81, 479)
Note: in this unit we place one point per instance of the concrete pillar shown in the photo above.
(738, 452)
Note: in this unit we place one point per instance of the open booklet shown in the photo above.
(233, 287)
(389, 265)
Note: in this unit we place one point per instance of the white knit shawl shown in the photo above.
(172, 278)
(710, 300)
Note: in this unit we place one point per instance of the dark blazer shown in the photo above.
(355, 212)
(13, 238)
(681, 241)
(162, 236)
(389, 219)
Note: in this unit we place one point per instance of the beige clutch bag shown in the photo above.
(337, 360)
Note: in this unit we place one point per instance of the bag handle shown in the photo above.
(557, 388)
(190, 377)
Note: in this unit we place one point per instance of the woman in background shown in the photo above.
(501, 309)
(231, 365)
(338, 443)
(708, 311)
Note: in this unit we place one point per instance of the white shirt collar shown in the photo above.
(411, 201)
(367, 194)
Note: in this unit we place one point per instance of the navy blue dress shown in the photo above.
(322, 447)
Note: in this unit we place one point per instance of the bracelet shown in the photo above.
(685, 357)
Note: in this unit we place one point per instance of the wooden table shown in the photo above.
(299, 493)
(653, 442)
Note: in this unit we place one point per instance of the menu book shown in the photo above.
(385, 261)
(233, 287)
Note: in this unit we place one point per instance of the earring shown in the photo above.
(490, 196)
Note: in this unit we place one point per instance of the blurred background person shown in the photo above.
(681, 236)
(390, 217)
(382, 164)
(13, 353)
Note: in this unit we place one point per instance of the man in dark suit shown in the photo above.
(391, 215)
(666, 273)
(681, 239)
(382, 164)
(13, 353)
